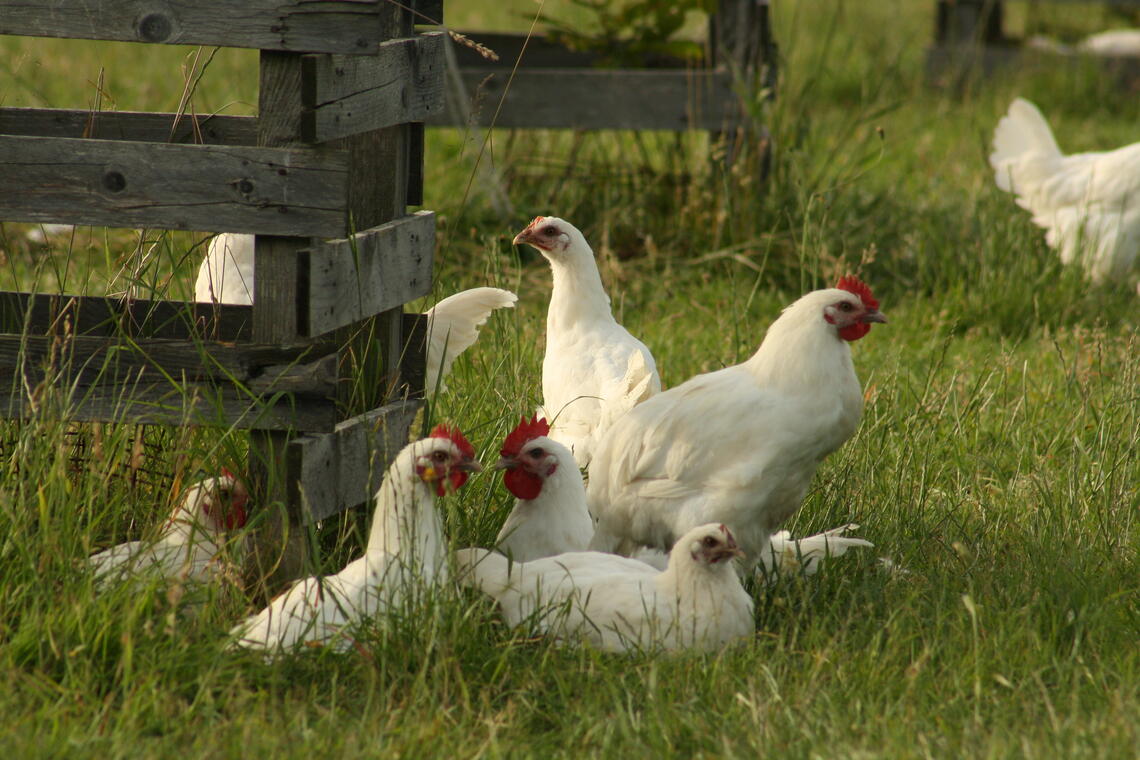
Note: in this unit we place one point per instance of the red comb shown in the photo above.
(227, 474)
(527, 430)
(853, 284)
(452, 433)
(537, 220)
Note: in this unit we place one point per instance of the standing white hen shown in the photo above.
(188, 547)
(405, 552)
(738, 446)
(593, 370)
(550, 515)
(1088, 203)
(618, 604)
(226, 276)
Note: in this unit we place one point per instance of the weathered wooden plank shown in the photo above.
(166, 403)
(600, 99)
(391, 265)
(39, 313)
(129, 125)
(344, 468)
(332, 26)
(197, 187)
(348, 95)
(89, 360)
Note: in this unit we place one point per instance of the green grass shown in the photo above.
(996, 460)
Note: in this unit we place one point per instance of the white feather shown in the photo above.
(1088, 203)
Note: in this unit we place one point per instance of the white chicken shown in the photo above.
(405, 552)
(738, 446)
(593, 370)
(226, 276)
(187, 549)
(1088, 203)
(550, 515)
(619, 604)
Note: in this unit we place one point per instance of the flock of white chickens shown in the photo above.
(684, 494)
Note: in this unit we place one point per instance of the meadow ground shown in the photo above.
(996, 461)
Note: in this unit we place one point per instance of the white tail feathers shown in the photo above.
(453, 325)
(1025, 153)
(786, 554)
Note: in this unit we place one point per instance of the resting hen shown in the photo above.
(226, 276)
(188, 547)
(405, 552)
(550, 515)
(738, 446)
(620, 604)
(593, 370)
(1088, 203)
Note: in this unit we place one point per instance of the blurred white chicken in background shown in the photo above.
(226, 276)
(1088, 203)
(620, 604)
(593, 370)
(187, 549)
(406, 552)
(738, 446)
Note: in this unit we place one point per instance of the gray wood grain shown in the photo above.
(42, 313)
(166, 403)
(196, 187)
(344, 468)
(331, 26)
(391, 265)
(129, 125)
(346, 95)
(600, 99)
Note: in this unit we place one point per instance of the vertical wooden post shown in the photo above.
(280, 551)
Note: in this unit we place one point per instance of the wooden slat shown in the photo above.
(598, 99)
(344, 468)
(129, 125)
(390, 266)
(38, 313)
(348, 95)
(331, 26)
(162, 403)
(87, 360)
(199, 187)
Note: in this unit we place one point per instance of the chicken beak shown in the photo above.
(467, 465)
(505, 463)
(522, 237)
(874, 315)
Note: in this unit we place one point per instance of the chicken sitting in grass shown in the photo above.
(1088, 203)
(738, 446)
(593, 370)
(187, 549)
(619, 604)
(405, 553)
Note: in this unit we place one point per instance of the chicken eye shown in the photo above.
(845, 306)
(538, 452)
(709, 541)
(552, 231)
(439, 456)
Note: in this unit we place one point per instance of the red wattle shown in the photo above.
(522, 484)
(855, 331)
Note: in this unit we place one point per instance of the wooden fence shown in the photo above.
(322, 176)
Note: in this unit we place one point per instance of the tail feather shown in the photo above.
(785, 553)
(453, 325)
(1025, 152)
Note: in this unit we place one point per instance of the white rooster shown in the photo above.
(738, 446)
(226, 276)
(550, 515)
(1088, 203)
(593, 370)
(187, 549)
(405, 551)
(620, 604)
